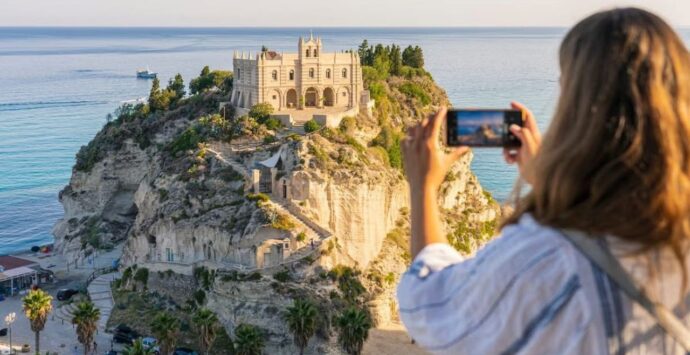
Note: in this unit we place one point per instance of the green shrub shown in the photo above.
(261, 112)
(273, 123)
(389, 139)
(189, 139)
(301, 237)
(311, 126)
(348, 125)
(413, 90)
(260, 197)
(377, 91)
(282, 276)
(142, 276)
(283, 222)
(270, 139)
(200, 297)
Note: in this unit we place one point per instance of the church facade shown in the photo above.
(307, 79)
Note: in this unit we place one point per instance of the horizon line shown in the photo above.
(283, 27)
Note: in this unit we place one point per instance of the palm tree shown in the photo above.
(86, 317)
(167, 329)
(37, 304)
(248, 340)
(301, 320)
(353, 329)
(137, 348)
(205, 322)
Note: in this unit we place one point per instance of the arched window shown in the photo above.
(274, 75)
(344, 73)
(311, 72)
(308, 52)
(316, 52)
(328, 73)
(238, 73)
(292, 75)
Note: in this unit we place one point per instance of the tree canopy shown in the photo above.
(209, 79)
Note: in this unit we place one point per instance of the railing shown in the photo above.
(97, 273)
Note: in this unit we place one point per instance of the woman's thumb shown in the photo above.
(455, 154)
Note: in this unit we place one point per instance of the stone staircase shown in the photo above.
(301, 226)
(233, 164)
(66, 312)
(102, 297)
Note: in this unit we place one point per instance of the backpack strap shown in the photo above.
(668, 321)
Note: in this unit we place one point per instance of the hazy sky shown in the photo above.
(307, 13)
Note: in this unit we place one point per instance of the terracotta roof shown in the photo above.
(272, 55)
(12, 262)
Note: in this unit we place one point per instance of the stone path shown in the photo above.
(101, 295)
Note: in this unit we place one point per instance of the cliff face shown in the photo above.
(182, 196)
(100, 204)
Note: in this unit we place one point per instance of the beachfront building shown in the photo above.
(300, 86)
(17, 275)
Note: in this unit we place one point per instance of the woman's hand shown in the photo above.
(426, 165)
(530, 137)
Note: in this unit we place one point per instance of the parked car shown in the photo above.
(184, 351)
(151, 343)
(4, 350)
(125, 334)
(66, 293)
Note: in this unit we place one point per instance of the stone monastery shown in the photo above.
(303, 85)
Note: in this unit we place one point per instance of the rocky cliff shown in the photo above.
(181, 187)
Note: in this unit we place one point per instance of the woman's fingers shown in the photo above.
(525, 136)
(509, 155)
(433, 129)
(529, 121)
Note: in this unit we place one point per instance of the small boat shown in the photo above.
(146, 74)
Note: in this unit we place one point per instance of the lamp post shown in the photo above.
(9, 320)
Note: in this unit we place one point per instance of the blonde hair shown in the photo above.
(616, 158)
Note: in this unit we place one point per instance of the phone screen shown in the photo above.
(482, 128)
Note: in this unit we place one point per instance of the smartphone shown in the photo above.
(482, 127)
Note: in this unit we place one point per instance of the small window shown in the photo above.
(274, 75)
(292, 75)
(316, 52)
(275, 97)
(238, 74)
(308, 52)
(311, 72)
(328, 73)
(344, 94)
(344, 73)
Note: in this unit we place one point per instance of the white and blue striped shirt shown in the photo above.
(530, 291)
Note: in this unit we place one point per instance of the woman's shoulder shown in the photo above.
(529, 241)
(518, 283)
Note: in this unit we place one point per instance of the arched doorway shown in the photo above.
(328, 97)
(311, 97)
(291, 98)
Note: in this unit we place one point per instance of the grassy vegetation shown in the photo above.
(283, 222)
(465, 236)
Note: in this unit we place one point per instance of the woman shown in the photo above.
(614, 164)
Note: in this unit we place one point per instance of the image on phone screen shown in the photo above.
(481, 128)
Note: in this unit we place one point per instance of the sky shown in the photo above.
(320, 13)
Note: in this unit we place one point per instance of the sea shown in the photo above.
(57, 85)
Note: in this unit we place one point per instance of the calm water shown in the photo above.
(57, 85)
